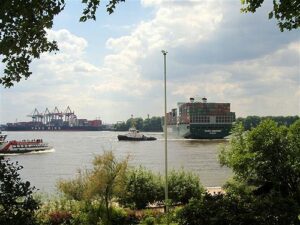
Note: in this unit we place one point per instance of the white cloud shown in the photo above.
(68, 43)
(151, 3)
(130, 79)
(217, 85)
(273, 88)
(260, 86)
(174, 24)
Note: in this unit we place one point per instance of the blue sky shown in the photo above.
(113, 67)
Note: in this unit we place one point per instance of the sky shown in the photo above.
(113, 68)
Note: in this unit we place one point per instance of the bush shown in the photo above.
(81, 213)
(267, 158)
(266, 185)
(149, 221)
(60, 217)
(119, 217)
(104, 182)
(183, 186)
(74, 188)
(211, 210)
(172, 217)
(234, 210)
(132, 217)
(17, 204)
(142, 187)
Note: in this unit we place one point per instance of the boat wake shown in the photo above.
(28, 153)
(45, 151)
(194, 140)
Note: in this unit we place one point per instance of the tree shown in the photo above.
(149, 124)
(253, 121)
(213, 210)
(121, 126)
(17, 204)
(228, 209)
(267, 158)
(266, 166)
(287, 12)
(156, 124)
(135, 122)
(105, 181)
(266, 184)
(23, 35)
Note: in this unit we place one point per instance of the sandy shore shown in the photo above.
(214, 190)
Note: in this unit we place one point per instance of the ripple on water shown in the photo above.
(74, 150)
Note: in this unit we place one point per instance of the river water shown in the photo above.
(74, 150)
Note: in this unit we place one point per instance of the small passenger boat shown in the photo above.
(134, 135)
(24, 146)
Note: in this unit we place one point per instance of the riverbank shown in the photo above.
(214, 190)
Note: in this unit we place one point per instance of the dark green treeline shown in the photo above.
(253, 121)
(155, 123)
(149, 124)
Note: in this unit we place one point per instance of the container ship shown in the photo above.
(55, 121)
(200, 120)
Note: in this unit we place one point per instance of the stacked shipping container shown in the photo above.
(199, 112)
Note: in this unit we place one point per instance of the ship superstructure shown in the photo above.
(55, 120)
(200, 120)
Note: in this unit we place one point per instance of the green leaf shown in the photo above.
(271, 15)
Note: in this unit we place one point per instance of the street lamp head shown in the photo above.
(164, 52)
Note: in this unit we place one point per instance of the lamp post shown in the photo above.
(164, 52)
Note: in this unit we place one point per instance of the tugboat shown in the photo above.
(134, 135)
(24, 146)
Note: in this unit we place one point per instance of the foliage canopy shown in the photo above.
(183, 186)
(23, 35)
(253, 121)
(267, 158)
(104, 182)
(23, 32)
(148, 124)
(23, 25)
(266, 184)
(227, 209)
(142, 187)
(286, 12)
(17, 204)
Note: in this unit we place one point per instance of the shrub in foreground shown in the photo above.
(183, 186)
(17, 204)
(142, 187)
(266, 158)
(233, 210)
(103, 183)
(266, 186)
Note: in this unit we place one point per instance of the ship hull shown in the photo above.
(126, 138)
(25, 150)
(199, 131)
(52, 128)
(24, 146)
